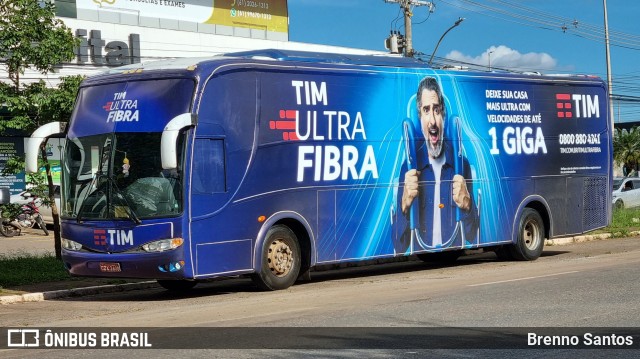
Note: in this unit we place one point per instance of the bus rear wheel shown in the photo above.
(530, 239)
(281, 260)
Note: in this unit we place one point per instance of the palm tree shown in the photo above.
(626, 148)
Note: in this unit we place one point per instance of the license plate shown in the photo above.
(110, 267)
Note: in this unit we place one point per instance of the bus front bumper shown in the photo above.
(142, 265)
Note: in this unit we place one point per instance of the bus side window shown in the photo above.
(209, 175)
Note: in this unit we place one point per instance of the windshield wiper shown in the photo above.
(130, 212)
(113, 186)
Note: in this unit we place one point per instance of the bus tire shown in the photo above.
(447, 257)
(281, 260)
(530, 236)
(177, 285)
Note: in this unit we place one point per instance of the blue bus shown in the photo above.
(268, 163)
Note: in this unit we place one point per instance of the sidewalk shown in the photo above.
(33, 241)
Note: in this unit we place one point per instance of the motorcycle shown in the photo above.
(27, 217)
(8, 228)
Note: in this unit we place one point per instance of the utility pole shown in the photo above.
(609, 76)
(406, 6)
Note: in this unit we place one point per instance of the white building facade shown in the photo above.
(119, 32)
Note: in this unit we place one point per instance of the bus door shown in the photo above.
(220, 160)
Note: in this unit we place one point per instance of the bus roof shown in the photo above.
(330, 58)
(181, 64)
(186, 66)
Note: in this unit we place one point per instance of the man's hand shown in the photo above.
(410, 191)
(460, 193)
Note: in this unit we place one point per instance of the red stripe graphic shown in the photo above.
(100, 237)
(289, 136)
(564, 104)
(287, 124)
(290, 114)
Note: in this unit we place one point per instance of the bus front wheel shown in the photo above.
(280, 259)
(530, 239)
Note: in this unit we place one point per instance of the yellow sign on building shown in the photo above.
(269, 15)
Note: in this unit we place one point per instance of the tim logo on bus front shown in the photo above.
(119, 237)
(121, 109)
(577, 106)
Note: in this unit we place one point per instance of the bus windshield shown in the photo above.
(119, 176)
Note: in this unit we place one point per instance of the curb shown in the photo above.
(115, 288)
(587, 238)
(76, 292)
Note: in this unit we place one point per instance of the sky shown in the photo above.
(548, 36)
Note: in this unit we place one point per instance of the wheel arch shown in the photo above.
(300, 227)
(540, 205)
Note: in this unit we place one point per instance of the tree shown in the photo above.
(626, 148)
(32, 107)
(32, 37)
(36, 104)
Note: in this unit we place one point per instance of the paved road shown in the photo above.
(580, 285)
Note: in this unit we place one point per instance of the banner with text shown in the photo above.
(269, 15)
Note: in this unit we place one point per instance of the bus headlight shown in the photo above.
(163, 245)
(70, 245)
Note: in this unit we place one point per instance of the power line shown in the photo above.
(531, 17)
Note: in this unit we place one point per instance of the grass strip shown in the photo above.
(24, 268)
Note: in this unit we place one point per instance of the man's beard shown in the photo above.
(436, 150)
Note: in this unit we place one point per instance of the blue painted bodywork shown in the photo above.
(319, 139)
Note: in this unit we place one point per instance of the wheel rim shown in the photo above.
(531, 234)
(280, 258)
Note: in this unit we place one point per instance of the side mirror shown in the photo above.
(33, 143)
(27, 195)
(5, 195)
(169, 139)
